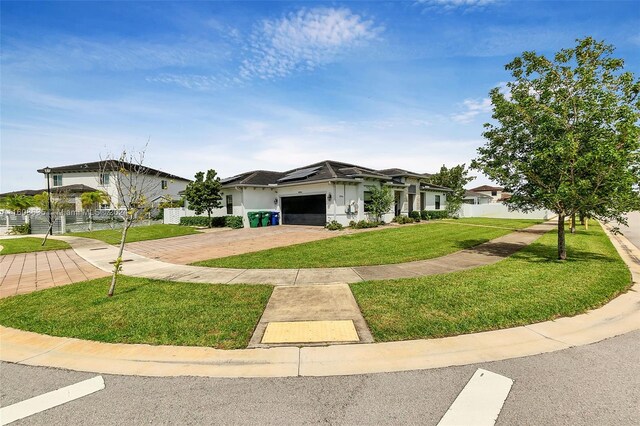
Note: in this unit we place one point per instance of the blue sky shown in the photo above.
(236, 86)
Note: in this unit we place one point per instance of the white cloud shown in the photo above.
(473, 107)
(448, 5)
(304, 40)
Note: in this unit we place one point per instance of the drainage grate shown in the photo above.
(99, 248)
(126, 260)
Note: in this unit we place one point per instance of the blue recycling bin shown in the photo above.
(275, 218)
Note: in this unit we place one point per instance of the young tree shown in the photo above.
(203, 194)
(567, 136)
(381, 201)
(454, 178)
(91, 200)
(136, 185)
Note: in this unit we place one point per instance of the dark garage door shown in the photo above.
(304, 210)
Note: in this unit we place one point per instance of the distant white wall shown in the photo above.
(499, 210)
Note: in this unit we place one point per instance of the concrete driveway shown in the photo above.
(218, 243)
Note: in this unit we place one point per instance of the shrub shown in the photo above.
(424, 215)
(194, 221)
(334, 225)
(20, 229)
(438, 214)
(234, 222)
(363, 224)
(415, 215)
(403, 219)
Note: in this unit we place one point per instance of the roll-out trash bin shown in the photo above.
(254, 219)
(275, 218)
(265, 218)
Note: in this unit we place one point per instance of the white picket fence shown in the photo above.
(499, 210)
(172, 215)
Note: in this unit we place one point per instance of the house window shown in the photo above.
(367, 200)
(57, 180)
(229, 204)
(165, 184)
(104, 179)
(437, 202)
(494, 193)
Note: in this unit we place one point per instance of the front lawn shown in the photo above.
(528, 287)
(391, 245)
(138, 233)
(142, 311)
(29, 245)
(502, 223)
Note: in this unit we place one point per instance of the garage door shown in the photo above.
(304, 210)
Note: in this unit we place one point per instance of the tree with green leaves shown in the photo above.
(381, 200)
(91, 200)
(17, 202)
(203, 194)
(566, 136)
(454, 178)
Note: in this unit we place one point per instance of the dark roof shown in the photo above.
(255, 177)
(487, 188)
(402, 172)
(75, 188)
(97, 166)
(424, 186)
(475, 194)
(321, 171)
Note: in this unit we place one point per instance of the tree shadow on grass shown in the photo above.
(536, 253)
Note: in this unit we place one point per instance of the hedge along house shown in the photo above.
(326, 191)
(103, 176)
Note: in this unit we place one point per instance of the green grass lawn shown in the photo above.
(392, 245)
(138, 233)
(29, 245)
(528, 287)
(503, 223)
(142, 311)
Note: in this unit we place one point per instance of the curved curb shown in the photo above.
(619, 316)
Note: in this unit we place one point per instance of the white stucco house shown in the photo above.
(318, 193)
(104, 175)
(496, 193)
(475, 198)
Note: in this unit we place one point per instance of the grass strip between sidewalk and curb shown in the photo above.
(528, 287)
(138, 233)
(396, 244)
(142, 311)
(30, 245)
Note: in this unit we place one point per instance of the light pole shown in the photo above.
(47, 170)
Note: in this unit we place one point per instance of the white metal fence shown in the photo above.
(499, 210)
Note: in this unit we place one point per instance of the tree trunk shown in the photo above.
(118, 263)
(209, 214)
(562, 246)
(582, 218)
(573, 223)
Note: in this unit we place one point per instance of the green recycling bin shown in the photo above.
(265, 218)
(254, 219)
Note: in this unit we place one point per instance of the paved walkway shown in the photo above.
(27, 272)
(620, 316)
(101, 254)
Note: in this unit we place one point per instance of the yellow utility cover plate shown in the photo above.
(310, 332)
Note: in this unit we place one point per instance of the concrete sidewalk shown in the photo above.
(619, 316)
(101, 254)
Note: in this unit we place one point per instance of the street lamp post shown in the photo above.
(47, 171)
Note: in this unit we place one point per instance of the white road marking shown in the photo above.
(480, 401)
(34, 405)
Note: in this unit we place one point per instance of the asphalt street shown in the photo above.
(597, 384)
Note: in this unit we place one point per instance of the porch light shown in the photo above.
(275, 201)
(329, 197)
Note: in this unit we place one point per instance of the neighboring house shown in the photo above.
(495, 192)
(101, 176)
(326, 191)
(472, 197)
(72, 194)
